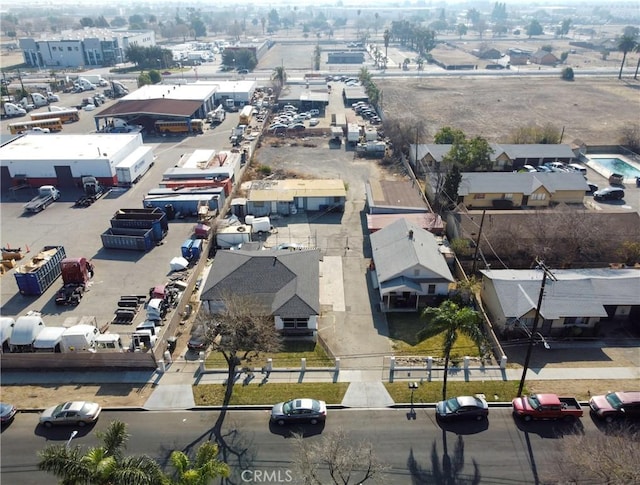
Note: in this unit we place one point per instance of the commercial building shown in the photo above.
(61, 159)
(79, 48)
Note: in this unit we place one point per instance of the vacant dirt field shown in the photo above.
(590, 109)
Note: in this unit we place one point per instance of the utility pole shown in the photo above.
(546, 273)
(475, 253)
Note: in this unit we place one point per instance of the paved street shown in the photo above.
(501, 450)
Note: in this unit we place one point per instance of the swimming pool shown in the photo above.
(616, 165)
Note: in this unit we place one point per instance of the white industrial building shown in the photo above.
(240, 92)
(62, 159)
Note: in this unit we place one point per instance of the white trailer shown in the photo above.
(96, 79)
(79, 338)
(48, 340)
(25, 331)
(132, 168)
(353, 133)
(228, 237)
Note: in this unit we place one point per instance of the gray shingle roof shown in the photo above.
(513, 151)
(576, 293)
(394, 253)
(285, 282)
(520, 182)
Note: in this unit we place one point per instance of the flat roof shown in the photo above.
(179, 92)
(267, 190)
(229, 86)
(58, 146)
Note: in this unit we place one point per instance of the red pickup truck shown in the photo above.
(547, 406)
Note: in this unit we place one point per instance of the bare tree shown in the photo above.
(240, 329)
(344, 463)
(610, 457)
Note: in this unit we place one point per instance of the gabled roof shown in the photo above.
(394, 252)
(576, 293)
(286, 283)
(513, 151)
(520, 182)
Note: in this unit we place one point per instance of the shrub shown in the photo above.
(567, 74)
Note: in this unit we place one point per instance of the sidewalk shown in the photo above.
(366, 389)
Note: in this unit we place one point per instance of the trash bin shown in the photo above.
(171, 343)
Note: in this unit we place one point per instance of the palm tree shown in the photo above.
(279, 78)
(103, 465)
(205, 467)
(626, 43)
(387, 37)
(451, 320)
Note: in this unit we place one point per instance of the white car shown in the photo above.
(89, 107)
(313, 121)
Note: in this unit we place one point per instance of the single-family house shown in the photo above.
(289, 196)
(487, 53)
(518, 57)
(284, 283)
(575, 301)
(506, 190)
(409, 270)
(543, 57)
(429, 221)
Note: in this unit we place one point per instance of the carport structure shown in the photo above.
(161, 102)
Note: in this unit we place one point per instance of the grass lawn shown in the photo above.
(403, 328)
(289, 356)
(429, 392)
(212, 394)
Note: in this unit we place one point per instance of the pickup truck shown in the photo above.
(546, 406)
(47, 194)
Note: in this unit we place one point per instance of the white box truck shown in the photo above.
(96, 79)
(132, 168)
(79, 338)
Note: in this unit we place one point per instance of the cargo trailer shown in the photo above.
(34, 277)
(132, 168)
(183, 205)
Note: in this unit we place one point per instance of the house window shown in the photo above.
(575, 321)
(507, 196)
(69, 49)
(431, 289)
(416, 272)
(479, 196)
(538, 196)
(295, 323)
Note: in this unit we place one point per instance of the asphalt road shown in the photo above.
(498, 451)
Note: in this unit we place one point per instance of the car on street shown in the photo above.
(609, 193)
(7, 412)
(616, 405)
(79, 413)
(462, 407)
(299, 410)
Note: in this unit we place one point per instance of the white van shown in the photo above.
(576, 167)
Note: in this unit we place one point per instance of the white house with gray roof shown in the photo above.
(409, 270)
(505, 190)
(285, 284)
(573, 304)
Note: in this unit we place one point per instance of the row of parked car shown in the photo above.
(367, 111)
(288, 118)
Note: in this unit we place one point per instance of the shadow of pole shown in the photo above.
(532, 459)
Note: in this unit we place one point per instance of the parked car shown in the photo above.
(616, 405)
(543, 169)
(296, 127)
(198, 340)
(89, 107)
(277, 126)
(79, 413)
(462, 407)
(592, 188)
(529, 168)
(609, 193)
(299, 410)
(616, 179)
(7, 412)
(314, 112)
(243, 71)
(313, 121)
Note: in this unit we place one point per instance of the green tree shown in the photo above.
(144, 79)
(451, 320)
(239, 59)
(102, 465)
(154, 76)
(461, 29)
(450, 188)
(626, 43)
(202, 470)
(447, 136)
(565, 26)
(567, 74)
(118, 22)
(534, 28)
(386, 36)
(101, 22)
(279, 78)
(317, 56)
(86, 22)
(198, 27)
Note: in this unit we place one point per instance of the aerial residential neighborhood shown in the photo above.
(343, 243)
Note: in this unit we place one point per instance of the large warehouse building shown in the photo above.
(62, 160)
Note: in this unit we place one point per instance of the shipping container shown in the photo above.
(41, 271)
(154, 219)
(133, 239)
(184, 205)
(132, 168)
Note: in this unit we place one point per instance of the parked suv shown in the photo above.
(609, 193)
(615, 405)
(616, 179)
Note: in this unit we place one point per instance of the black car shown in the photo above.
(609, 193)
(462, 407)
(198, 340)
(592, 188)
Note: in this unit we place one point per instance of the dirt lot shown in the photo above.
(590, 109)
